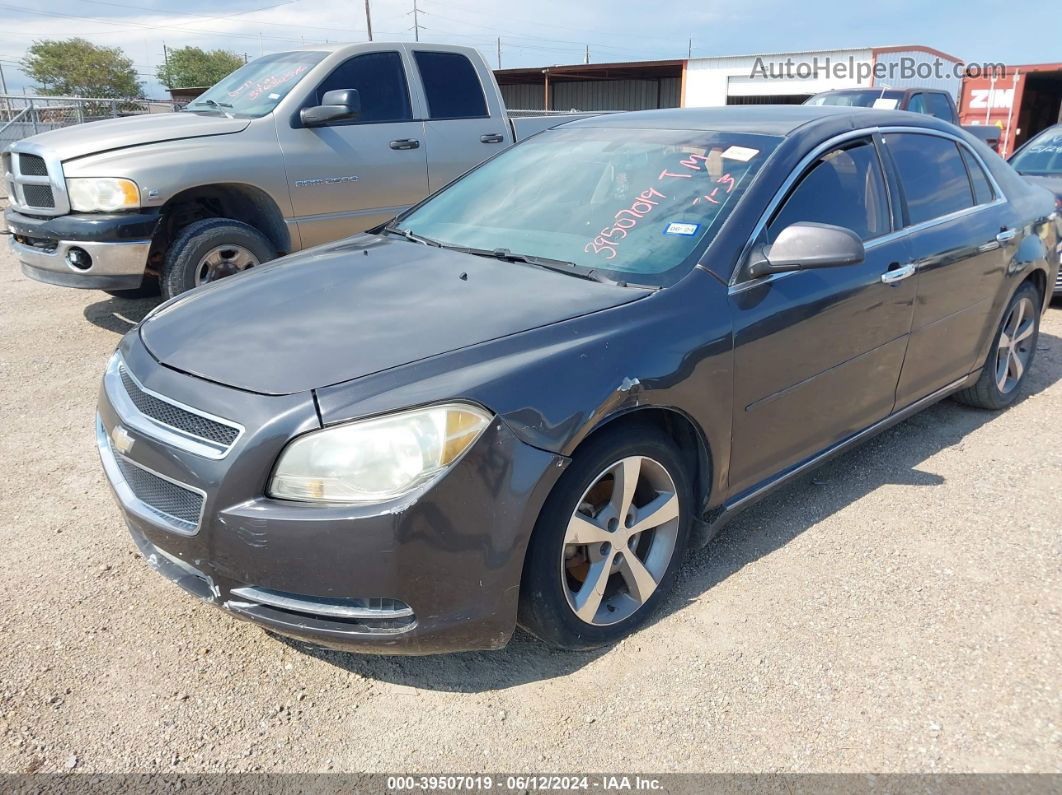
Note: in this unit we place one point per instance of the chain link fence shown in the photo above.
(23, 116)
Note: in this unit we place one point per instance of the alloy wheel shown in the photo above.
(1015, 345)
(223, 261)
(620, 540)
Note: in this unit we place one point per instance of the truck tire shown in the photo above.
(211, 249)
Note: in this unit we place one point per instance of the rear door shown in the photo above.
(462, 126)
(959, 247)
(351, 175)
(818, 352)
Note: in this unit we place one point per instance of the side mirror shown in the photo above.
(341, 104)
(807, 245)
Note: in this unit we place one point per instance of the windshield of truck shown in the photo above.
(633, 205)
(1043, 155)
(887, 100)
(256, 87)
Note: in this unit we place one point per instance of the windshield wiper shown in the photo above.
(214, 104)
(559, 265)
(411, 236)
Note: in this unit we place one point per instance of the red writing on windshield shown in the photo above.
(607, 241)
(255, 88)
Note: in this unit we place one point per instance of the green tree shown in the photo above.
(191, 66)
(78, 68)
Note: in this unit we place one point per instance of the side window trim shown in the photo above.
(312, 98)
(970, 163)
(738, 277)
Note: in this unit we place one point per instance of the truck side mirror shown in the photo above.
(342, 104)
(806, 245)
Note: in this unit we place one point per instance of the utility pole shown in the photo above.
(368, 19)
(689, 50)
(587, 54)
(416, 22)
(499, 52)
(3, 88)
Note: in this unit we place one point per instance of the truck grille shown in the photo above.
(32, 166)
(172, 502)
(39, 196)
(33, 186)
(175, 417)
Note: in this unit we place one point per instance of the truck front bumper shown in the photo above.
(107, 252)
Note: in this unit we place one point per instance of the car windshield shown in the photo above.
(1042, 156)
(887, 100)
(635, 205)
(255, 88)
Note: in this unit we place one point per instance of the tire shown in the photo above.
(557, 574)
(233, 244)
(149, 289)
(997, 386)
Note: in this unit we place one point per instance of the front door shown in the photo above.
(818, 352)
(351, 175)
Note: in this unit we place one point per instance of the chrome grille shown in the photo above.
(176, 417)
(39, 196)
(1058, 281)
(32, 166)
(171, 501)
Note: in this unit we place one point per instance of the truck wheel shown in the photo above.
(212, 249)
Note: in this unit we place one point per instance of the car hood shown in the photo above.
(79, 140)
(348, 309)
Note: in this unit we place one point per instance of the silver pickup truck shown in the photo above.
(291, 150)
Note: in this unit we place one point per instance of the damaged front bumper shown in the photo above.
(437, 572)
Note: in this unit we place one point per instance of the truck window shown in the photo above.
(380, 82)
(917, 104)
(451, 84)
(932, 175)
(938, 105)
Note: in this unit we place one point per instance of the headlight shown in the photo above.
(102, 194)
(378, 459)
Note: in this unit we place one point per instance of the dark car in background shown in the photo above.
(1039, 160)
(934, 102)
(517, 401)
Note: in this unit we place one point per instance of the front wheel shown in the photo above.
(608, 542)
(1012, 353)
(211, 249)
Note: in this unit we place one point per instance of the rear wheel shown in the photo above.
(609, 540)
(1012, 352)
(211, 249)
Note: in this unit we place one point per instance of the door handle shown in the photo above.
(898, 274)
(1006, 234)
(491, 138)
(405, 143)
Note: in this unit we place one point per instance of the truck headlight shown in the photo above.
(378, 459)
(102, 194)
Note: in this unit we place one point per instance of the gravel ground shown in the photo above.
(897, 610)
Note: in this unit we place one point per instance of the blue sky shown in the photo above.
(537, 33)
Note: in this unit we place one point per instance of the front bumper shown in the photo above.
(111, 251)
(437, 572)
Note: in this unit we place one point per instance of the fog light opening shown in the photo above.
(78, 259)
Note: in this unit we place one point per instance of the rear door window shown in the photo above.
(932, 175)
(380, 81)
(451, 85)
(844, 188)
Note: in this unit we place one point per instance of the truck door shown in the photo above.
(351, 175)
(462, 130)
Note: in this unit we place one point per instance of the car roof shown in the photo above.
(777, 120)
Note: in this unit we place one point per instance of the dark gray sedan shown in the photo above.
(517, 402)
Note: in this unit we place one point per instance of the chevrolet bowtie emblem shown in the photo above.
(121, 440)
